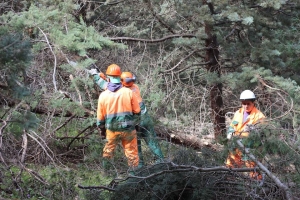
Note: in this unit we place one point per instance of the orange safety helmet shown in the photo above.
(127, 79)
(113, 70)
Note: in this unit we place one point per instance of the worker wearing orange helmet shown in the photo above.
(117, 106)
(247, 115)
(146, 130)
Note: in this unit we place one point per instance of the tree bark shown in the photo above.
(216, 101)
(184, 139)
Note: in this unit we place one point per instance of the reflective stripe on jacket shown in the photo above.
(237, 121)
(116, 109)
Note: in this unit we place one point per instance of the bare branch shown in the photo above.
(199, 64)
(154, 40)
(187, 168)
(286, 190)
(24, 146)
(55, 60)
(158, 18)
(41, 145)
(65, 123)
(2, 128)
(77, 90)
(36, 175)
(183, 59)
(96, 187)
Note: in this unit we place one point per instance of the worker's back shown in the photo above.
(117, 109)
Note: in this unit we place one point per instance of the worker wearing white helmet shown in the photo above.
(248, 114)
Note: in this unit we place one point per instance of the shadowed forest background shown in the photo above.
(192, 60)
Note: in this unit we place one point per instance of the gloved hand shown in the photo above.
(102, 131)
(229, 136)
(93, 71)
(230, 133)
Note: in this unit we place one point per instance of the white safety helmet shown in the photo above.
(247, 95)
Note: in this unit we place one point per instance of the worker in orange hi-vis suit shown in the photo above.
(247, 115)
(146, 125)
(116, 112)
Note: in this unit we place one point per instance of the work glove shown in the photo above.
(101, 128)
(102, 131)
(230, 132)
(93, 71)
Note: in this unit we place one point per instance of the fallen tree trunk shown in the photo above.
(187, 140)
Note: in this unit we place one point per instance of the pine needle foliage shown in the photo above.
(168, 181)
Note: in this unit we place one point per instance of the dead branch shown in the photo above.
(77, 90)
(36, 176)
(283, 187)
(158, 18)
(55, 60)
(65, 123)
(178, 168)
(199, 64)
(96, 187)
(183, 59)
(24, 146)
(72, 100)
(76, 137)
(2, 128)
(73, 149)
(153, 40)
(263, 82)
(187, 168)
(41, 145)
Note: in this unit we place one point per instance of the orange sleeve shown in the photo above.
(101, 110)
(135, 104)
(136, 92)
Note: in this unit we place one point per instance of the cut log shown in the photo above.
(187, 140)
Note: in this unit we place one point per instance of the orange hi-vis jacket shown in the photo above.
(136, 91)
(102, 83)
(116, 109)
(237, 122)
(235, 158)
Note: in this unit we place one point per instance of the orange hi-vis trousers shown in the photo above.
(129, 143)
(234, 160)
